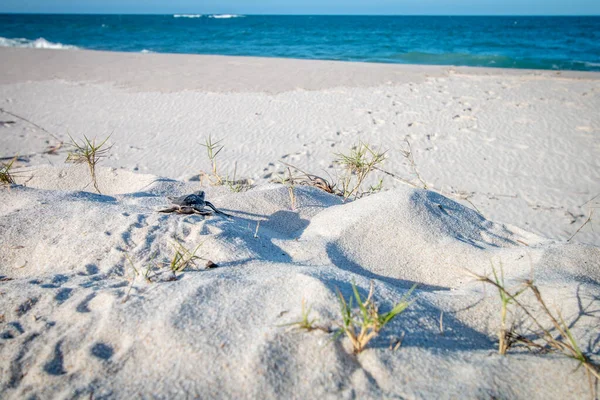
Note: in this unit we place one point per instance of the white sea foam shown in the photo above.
(39, 43)
(223, 16)
(591, 64)
(145, 51)
(187, 15)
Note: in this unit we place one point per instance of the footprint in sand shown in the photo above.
(55, 366)
(102, 351)
(464, 118)
(269, 170)
(83, 307)
(90, 269)
(57, 281)
(293, 156)
(26, 306)
(13, 330)
(63, 295)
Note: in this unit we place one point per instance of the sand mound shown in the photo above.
(415, 235)
(77, 177)
(78, 321)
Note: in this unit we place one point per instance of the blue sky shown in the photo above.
(421, 7)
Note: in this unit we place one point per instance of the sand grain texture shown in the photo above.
(77, 322)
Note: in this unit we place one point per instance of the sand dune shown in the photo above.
(76, 320)
(71, 328)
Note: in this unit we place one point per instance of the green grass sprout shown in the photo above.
(564, 342)
(358, 164)
(90, 153)
(183, 258)
(6, 177)
(305, 322)
(506, 336)
(212, 150)
(364, 322)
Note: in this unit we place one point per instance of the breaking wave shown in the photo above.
(216, 16)
(187, 15)
(223, 16)
(39, 43)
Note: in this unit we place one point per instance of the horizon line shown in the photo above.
(302, 15)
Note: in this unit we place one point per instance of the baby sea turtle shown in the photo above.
(191, 204)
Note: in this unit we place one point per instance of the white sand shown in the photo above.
(526, 144)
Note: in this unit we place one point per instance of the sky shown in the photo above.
(386, 7)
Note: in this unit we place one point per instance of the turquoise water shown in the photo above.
(571, 43)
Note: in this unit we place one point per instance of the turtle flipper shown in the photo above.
(200, 211)
(209, 204)
(168, 210)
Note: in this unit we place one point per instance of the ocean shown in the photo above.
(559, 43)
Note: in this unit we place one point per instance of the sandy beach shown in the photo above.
(504, 171)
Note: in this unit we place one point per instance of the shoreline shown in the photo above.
(252, 74)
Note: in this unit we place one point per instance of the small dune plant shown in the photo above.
(587, 221)
(6, 176)
(147, 274)
(304, 178)
(289, 181)
(376, 188)
(183, 258)
(357, 164)
(212, 151)
(88, 152)
(562, 341)
(363, 322)
(213, 148)
(136, 272)
(408, 154)
(236, 185)
(507, 337)
(305, 322)
(292, 192)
